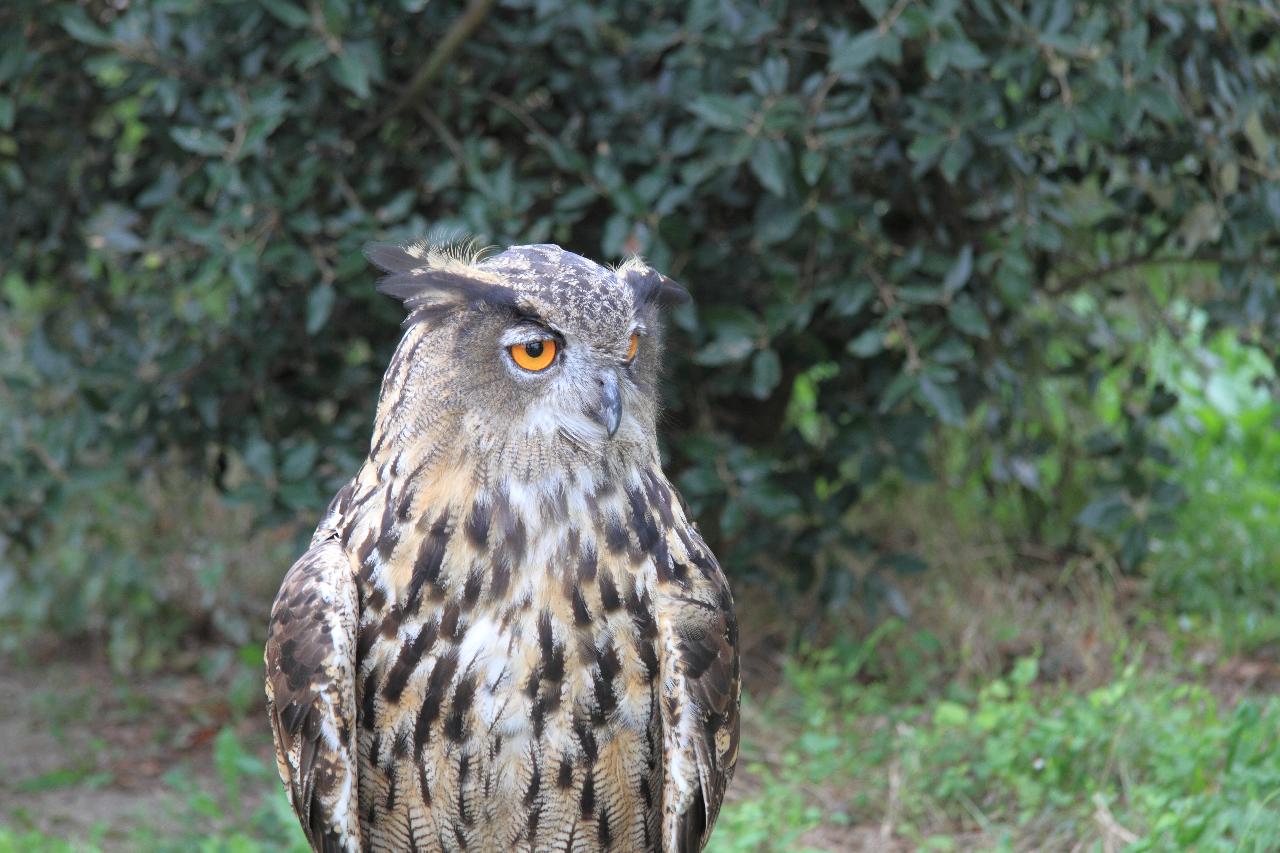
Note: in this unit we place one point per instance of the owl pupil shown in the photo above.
(534, 349)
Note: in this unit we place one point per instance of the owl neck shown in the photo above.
(417, 525)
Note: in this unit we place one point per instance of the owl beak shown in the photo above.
(608, 408)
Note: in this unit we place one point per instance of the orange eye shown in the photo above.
(535, 355)
(633, 348)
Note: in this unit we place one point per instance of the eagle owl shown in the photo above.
(507, 634)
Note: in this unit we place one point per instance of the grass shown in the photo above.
(1145, 762)
(239, 808)
(246, 811)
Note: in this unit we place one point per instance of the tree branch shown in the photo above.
(468, 21)
(1146, 259)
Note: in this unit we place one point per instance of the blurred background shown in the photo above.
(975, 400)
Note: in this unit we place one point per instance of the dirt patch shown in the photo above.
(86, 754)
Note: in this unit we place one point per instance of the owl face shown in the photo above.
(546, 349)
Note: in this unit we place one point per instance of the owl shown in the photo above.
(507, 634)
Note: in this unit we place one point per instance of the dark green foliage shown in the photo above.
(893, 219)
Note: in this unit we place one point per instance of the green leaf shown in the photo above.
(925, 149)
(950, 715)
(1025, 672)
(812, 162)
(770, 163)
(319, 306)
(724, 350)
(867, 344)
(351, 70)
(956, 53)
(850, 298)
(305, 53)
(734, 334)
(1256, 134)
(965, 55)
(1013, 275)
(960, 271)
(300, 461)
(259, 457)
(854, 53)
(77, 24)
(920, 294)
(766, 373)
(966, 317)
(617, 228)
(935, 59)
(956, 157)
(776, 220)
(901, 385)
(942, 398)
(243, 271)
(818, 743)
(1162, 401)
(1134, 546)
(722, 111)
(903, 563)
(287, 13)
(1105, 514)
(197, 140)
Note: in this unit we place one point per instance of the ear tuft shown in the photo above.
(395, 258)
(649, 285)
(423, 276)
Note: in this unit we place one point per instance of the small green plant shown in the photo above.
(248, 813)
(1221, 562)
(1144, 761)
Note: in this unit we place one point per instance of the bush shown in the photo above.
(1223, 564)
(894, 219)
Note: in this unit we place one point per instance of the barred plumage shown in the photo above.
(507, 634)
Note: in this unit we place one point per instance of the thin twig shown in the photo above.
(450, 141)
(891, 810)
(47, 459)
(327, 274)
(1145, 259)
(347, 191)
(468, 21)
(1112, 830)
(548, 141)
(899, 323)
(892, 18)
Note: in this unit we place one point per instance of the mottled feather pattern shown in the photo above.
(310, 659)
(518, 641)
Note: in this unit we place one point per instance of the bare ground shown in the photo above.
(84, 753)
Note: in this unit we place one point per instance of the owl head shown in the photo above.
(532, 356)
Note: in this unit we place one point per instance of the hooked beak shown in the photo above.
(607, 410)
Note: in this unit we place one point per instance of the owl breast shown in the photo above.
(506, 677)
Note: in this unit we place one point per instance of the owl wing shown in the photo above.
(698, 645)
(311, 694)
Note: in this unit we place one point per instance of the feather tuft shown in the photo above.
(435, 278)
(649, 285)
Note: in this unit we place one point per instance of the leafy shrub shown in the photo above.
(894, 219)
(1223, 563)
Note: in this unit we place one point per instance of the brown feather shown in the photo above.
(311, 695)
